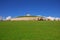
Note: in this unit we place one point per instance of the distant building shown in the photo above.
(29, 17)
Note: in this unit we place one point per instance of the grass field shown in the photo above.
(30, 30)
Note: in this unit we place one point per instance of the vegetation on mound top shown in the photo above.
(27, 16)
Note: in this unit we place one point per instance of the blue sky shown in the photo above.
(34, 7)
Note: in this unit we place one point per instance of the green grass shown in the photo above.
(30, 30)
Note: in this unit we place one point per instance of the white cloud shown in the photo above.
(51, 18)
(8, 18)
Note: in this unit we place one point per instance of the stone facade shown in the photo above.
(25, 18)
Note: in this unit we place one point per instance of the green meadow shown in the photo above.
(30, 30)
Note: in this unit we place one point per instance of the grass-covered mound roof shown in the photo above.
(26, 16)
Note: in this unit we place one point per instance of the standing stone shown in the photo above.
(0, 18)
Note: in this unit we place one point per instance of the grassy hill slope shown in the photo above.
(30, 30)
